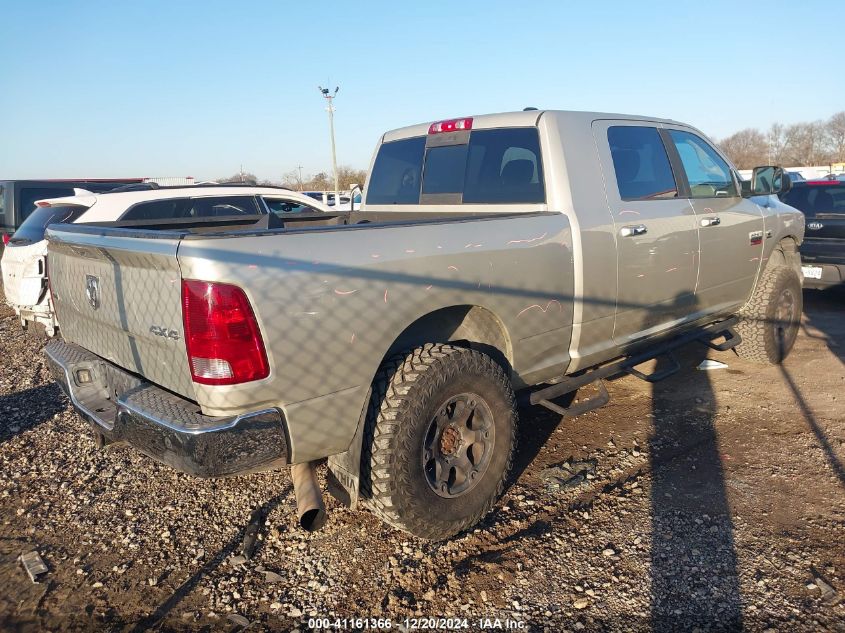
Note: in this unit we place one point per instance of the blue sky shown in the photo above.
(153, 88)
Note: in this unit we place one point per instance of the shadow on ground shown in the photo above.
(24, 410)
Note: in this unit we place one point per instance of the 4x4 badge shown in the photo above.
(92, 291)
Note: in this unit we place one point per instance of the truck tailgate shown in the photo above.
(120, 298)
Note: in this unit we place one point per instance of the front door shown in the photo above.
(730, 226)
(656, 233)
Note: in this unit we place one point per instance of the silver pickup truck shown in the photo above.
(528, 252)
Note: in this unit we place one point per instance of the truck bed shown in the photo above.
(332, 296)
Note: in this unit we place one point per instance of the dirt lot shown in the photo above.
(715, 499)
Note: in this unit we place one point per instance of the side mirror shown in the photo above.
(766, 181)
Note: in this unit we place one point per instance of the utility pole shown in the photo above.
(329, 97)
(299, 167)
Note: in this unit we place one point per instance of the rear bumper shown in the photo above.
(827, 254)
(833, 274)
(167, 427)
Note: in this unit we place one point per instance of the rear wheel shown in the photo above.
(769, 322)
(440, 440)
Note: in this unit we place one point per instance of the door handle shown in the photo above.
(631, 231)
(710, 221)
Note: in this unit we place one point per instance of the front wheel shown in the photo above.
(439, 441)
(769, 322)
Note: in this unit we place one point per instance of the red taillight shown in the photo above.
(6, 238)
(221, 334)
(824, 183)
(42, 203)
(452, 125)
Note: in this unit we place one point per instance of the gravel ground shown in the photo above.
(713, 500)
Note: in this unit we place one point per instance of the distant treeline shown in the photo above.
(814, 143)
(322, 181)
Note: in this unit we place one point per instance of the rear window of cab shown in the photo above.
(32, 229)
(815, 198)
(497, 166)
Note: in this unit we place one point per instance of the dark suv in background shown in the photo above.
(17, 197)
(823, 250)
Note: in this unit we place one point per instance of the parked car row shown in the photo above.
(18, 197)
(338, 201)
(24, 261)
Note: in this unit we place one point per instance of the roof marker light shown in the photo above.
(452, 125)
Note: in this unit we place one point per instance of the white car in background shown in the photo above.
(24, 262)
(342, 201)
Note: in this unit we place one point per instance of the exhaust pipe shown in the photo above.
(309, 498)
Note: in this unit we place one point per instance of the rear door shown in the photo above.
(730, 226)
(656, 232)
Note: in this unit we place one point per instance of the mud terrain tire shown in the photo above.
(434, 406)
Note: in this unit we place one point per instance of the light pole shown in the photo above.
(329, 97)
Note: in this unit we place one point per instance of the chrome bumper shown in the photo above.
(167, 427)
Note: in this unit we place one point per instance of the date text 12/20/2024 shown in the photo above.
(416, 624)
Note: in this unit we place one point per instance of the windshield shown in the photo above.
(32, 229)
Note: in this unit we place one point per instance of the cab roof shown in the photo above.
(524, 118)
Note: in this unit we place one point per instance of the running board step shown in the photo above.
(582, 407)
(732, 339)
(568, 384)
(655, 376)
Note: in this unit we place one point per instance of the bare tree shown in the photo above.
(349, 176)
(835, 128)
(778, 146)
(322, 181)
(806, 143)
(292, 180)
(239, 177)
(747, 148)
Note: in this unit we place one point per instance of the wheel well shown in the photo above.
(786, 254)
(473, 326)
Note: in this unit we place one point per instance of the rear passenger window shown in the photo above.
(396, 173)
(641, 164)
(156, 210)
(279, 206)
(708, 174)
(814, 199)
(221, 206)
